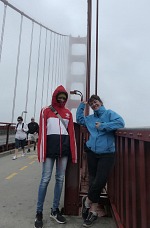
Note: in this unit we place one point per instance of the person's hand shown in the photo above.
(84, 102)
(97, 124)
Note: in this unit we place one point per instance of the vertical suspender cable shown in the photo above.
(59, 66)
(3, 28)
(37, 76)
(56, 67)
(44, 69)
(66, 57)
(96, 67)
(88, 67)
(60, 59)
(53, 65)
(49, 67)
(61, 62)
(58, 62)
(29, 70)
(63, 58)
(17, 66)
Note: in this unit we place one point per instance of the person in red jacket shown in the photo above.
(56, 143)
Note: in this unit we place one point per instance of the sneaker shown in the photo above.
(85, 210)
(39, 220)
(57, 216)
(28, 150)
(90, 220)
(23, 154)
(14, 157)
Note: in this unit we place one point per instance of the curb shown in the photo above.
(3, 154)
(12, 151)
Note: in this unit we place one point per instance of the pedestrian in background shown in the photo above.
(100, 149)
(32, 133)
(20, 136)
(56, 143)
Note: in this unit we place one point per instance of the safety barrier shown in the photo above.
(129, 185)
(7, 136)
(76, 179)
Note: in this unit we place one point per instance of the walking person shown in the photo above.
(100, 149)
(20, 136)
(32, 133)
(56, 143)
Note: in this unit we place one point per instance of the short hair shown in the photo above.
(20, 118)
(94, 97)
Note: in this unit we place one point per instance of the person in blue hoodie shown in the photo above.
(100, 149)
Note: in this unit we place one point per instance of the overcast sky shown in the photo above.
(63, 16)
(124, 48)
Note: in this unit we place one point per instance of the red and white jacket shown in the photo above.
(54, 140)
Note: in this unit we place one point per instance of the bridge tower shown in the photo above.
(76, 74)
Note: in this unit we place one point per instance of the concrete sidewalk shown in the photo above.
(19, 181)
(76, 222)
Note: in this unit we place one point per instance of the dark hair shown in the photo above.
(94, 97)
(20, 118)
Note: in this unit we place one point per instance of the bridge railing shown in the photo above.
(128, 187)
(129, 184)
(7, 136)
(76, 184)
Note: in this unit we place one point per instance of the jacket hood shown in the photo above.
(58, 90)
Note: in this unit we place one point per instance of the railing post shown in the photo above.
(72, 181)
(130, 201)
(7, 137)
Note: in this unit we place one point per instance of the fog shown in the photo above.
(124, 50)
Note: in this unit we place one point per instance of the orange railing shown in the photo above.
(129, 185)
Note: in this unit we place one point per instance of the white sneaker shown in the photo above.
(14, 157)
(23, 155)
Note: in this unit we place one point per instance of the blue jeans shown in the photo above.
(47, 170)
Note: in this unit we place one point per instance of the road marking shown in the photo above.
(11, 176)
(32, 156)
(31, 162)
(24, 167)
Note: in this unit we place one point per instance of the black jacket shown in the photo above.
(33, 127)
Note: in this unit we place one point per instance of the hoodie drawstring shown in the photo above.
(60, 140)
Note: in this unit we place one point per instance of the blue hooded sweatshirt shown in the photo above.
(101, 140)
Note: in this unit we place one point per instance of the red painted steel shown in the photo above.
(122, 190)
(126, 182)
(72, 181)
(131, 179)
(6, 129)
(142, 185)
(76, 184)
(133, 184)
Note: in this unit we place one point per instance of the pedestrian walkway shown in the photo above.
(19, 181)
(76, 222)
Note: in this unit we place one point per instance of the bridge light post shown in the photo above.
(23, 112)
(77, 92)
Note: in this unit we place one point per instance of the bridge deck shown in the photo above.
(19, 181)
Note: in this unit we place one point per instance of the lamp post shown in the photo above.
(77, 92)
(23, 112)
